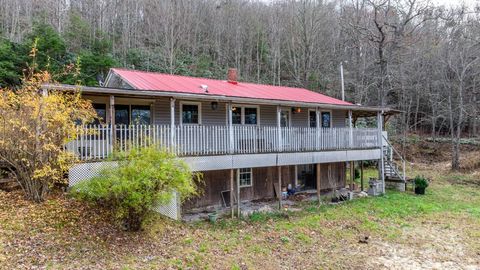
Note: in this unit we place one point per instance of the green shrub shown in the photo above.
(421, 181)
(143, 178)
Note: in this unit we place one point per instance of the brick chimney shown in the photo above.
(232, 76)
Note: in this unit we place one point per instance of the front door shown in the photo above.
(285, 124)
(285, 118)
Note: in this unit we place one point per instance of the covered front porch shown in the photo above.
(98, 141)
(208, 125)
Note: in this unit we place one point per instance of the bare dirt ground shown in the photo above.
(427, 247)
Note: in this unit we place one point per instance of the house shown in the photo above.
(249, 140)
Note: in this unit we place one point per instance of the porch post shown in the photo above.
(318, 183)
(317, 124)
(352, 174)
(279, 170)
(172, 123)
(232, 183)
(112, 122)
(279, 129)
(361, 175)
(350, 126)
(296, 176)
(380, 141)
(230, 128)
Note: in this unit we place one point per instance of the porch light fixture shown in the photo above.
(296, 110)
(214, 105)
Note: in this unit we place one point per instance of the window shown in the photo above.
(236, 115)
(312, 118)
(190, 113)
(245, 177)
(242, 115)
(101, 110)
(140, 115)
(122, 115)
(326, 119)
(250, 116)
(132, 115)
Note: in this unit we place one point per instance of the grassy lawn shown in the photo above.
(439, 230)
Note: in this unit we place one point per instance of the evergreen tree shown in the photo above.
(12, 61)
(52, 52)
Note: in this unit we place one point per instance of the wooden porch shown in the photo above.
(96, 142)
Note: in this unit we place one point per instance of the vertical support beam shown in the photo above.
(361, 175)
(296, 176)
(232, 190)
(279, 129)
(381, 164)
(279, 171)
(318, 179)
(350, 126)
(238, 197)
(317, 124)
(172, 123)
(230, 128)
(352, 174)
(112, 122)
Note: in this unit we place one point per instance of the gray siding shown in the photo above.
(300, 119)
(338, 118)
(268, 117)
(209, 116)
(268, 114)
(161, 111)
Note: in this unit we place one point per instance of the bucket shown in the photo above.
(213, 217)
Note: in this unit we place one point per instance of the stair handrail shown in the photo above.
(399, 155)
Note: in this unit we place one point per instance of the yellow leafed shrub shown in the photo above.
(34, 126)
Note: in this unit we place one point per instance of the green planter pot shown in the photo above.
(420, 190)
(213, 217)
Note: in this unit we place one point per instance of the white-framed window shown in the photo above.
(245, 115)
(190, 113)
(133, 114)
(245, 177)
(325, 118)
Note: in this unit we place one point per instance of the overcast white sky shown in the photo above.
(470, 3)
(447, 3)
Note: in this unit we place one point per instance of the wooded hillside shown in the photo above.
(407, 54)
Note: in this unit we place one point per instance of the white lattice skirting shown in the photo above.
(85, 171)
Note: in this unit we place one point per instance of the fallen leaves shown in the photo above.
(65, 233)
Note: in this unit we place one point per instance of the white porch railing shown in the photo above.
(95, 142)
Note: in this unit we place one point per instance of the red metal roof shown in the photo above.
(183, 84)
